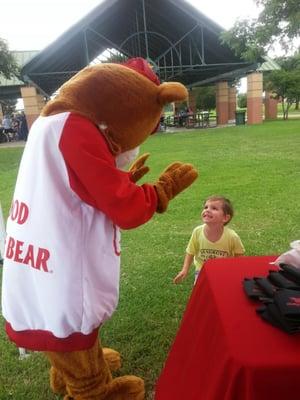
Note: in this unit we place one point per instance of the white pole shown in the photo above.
(2, 233)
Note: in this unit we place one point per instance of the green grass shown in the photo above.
(257, 167)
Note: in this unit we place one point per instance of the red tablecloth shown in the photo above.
(223, 350)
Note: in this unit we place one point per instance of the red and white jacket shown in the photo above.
(62, 255)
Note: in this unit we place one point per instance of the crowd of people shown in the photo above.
(13, 127)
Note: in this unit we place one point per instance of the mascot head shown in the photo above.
(125, 100)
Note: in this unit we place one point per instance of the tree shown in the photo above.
(242, 100)
(8, 69)
(8, 65)
(206, 98)
(281, 20)
(116, 57)
(242, 39)
(291, 63)
(8, 106)
(286, 86)
(278, 22)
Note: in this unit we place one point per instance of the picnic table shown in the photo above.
(191, 120)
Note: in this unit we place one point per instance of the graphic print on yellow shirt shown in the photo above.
(203, 249)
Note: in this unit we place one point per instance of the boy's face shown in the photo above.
(213, 214)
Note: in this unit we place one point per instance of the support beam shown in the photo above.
(222, 102)
(270, 106)
(33, 103)
(231, 102)
(145, 30)
(254, 98)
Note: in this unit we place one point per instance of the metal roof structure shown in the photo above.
(179, 41)
(268, 65)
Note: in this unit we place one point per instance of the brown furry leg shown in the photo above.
(82, 371)
(87, 377)
(57, 383)
(125, 388)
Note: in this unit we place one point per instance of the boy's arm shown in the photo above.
(188, 259)
(238, 247)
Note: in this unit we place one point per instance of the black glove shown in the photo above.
(252, 289)
(291, 272)
(271, 314)
(288, 302)
(266, 286)
(279, 280)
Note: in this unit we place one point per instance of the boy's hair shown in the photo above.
(226, 205)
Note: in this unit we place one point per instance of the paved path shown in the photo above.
(19, 143)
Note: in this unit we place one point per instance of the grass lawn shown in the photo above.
(257, 167)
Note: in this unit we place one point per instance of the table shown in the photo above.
(191, 120)
(223, 350)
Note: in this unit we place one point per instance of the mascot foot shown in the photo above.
(57, 383)
(124, 388)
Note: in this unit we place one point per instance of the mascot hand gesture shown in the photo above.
(62, 258)
(172, 181)
(138, 169)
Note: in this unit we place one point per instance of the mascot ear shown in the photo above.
(171, 91)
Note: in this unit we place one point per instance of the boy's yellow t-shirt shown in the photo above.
(202, 249)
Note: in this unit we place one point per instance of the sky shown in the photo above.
(34, 24)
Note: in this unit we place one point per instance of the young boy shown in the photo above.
(212, 239)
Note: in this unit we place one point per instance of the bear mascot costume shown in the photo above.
(72, 197)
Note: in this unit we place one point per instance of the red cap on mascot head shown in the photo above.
(142, 66)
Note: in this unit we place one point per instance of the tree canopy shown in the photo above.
(8, 65)
(285, 83)
(206, 98)
(278, 22)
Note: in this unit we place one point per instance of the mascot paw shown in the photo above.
(175, 178)
(125, 388)
(138, 169)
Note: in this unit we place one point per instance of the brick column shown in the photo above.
(33, 103)
(231, 102)
(192, 100)
(254, 98)
(222, 103)
(270, 106)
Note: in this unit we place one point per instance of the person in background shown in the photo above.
(212, 239)
(6, 123)
(23, 127)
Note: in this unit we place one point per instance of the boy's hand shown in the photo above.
(180, 277)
